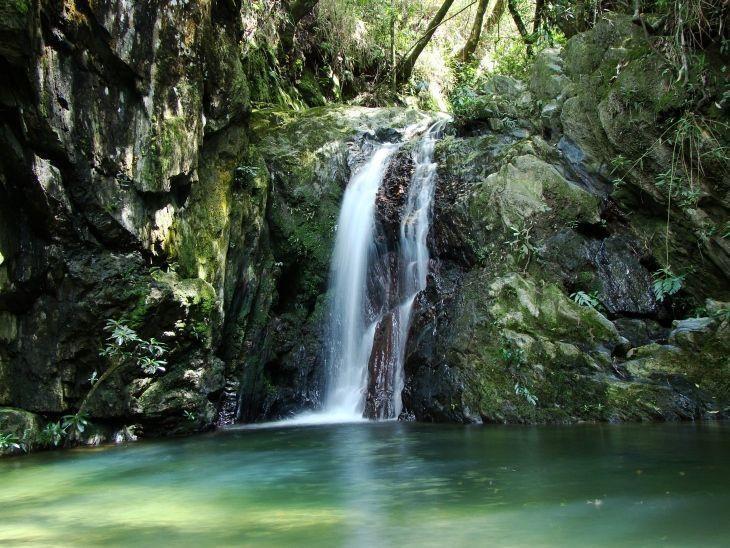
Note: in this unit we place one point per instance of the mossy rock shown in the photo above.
(197, 299)
(177, 402)
(528, 191)
(585, 52)
(24, 425)
(524, 352)
(226, 78)
(15, 28)
(522, 306)
(548, 79)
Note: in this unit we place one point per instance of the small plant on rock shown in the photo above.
(666, 284)
(243, 175)
(722, 314)
(511, 354)
(525, 392)
(51, 435)
(74, 425)
(521, 244)
(589, 300)
(123, 347)
(9, 442)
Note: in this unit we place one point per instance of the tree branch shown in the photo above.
(521, 28)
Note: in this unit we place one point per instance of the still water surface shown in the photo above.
(387, 484)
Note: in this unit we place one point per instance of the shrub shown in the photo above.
(9, 442)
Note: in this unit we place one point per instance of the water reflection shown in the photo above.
(386, 484)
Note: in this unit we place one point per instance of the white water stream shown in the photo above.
(350, 335)
(352, 328)
(414, 256)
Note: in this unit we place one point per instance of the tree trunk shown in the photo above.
(116, 365)
(496, 16)
(539, 13)
(393, 74)
(467, 52)
(521, 28)
(405, 67)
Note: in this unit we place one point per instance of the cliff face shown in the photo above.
(136, 184)
(559, 187)
(123, 125)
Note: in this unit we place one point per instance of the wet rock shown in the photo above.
(381, 368)
(388, 134)
(690, 332)
(392, 196)
(640, 332)
(691, 325)
(625, 285)
(591, 176)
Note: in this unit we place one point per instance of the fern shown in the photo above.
(589, 300)
(666, 284)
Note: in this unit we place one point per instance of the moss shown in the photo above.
(585, 52)
(163, 150)
(265, 81)
(638, 402)
(524, 194)
(135, 317)
(310, 89)
(21, 6)
(520, 305)
(8, 327)
(513, 339)
(588, 282)
(229, 86)
(199, 238)
(701, 358)
(189, 292)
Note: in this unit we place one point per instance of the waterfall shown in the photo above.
(362, 379)
(386, 364)
(349, 334)
(414, 256)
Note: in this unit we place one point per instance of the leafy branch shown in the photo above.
(125, 346)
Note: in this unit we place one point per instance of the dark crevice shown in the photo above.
(287, 287)
(596, 231)
(180, 187)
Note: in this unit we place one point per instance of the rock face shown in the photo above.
(137, 184)
(130, 190)
(526, 218)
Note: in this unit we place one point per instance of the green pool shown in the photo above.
(386, 484)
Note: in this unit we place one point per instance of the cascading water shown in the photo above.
(350, 334)
(360, 380)
(386, 365)
(414, 256)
